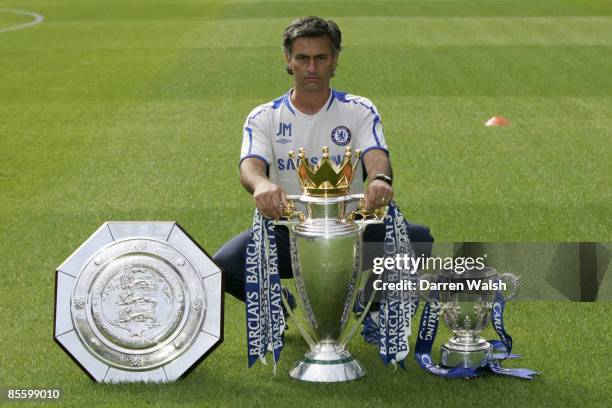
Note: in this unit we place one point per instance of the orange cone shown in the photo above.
(497, 121)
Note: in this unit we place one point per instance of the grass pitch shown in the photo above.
(133, 111)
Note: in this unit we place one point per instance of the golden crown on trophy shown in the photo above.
(325, 179)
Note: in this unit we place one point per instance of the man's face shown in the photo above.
(312, 62)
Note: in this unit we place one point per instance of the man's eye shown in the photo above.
(322, 57)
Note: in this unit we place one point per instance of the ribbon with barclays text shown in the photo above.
(502, 347)
(264, 315)
(397, 306)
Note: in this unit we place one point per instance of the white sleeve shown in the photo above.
(255, 140)
(370, 131)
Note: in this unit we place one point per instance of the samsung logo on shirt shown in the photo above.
(286, 164)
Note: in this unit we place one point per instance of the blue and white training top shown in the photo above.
(273, 129)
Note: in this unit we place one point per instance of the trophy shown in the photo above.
(326, 225)
(464, 301)
(138, 302)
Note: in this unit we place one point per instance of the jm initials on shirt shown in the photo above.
(284, 129)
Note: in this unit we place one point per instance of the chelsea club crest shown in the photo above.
(341, 135)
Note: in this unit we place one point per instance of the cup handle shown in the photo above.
(290, 216)
(513, 279)
(430, 277)
(305, 335)
(357, 324)
(375, 216)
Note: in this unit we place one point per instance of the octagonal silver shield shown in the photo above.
(138, 301)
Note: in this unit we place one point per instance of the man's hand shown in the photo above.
(270, 199)
(268, 196)
(378, 194)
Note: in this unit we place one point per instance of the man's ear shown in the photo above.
(287, 57)
(335, 58)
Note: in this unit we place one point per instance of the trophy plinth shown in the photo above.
(326, 245)
(328, 362)
(466, 351)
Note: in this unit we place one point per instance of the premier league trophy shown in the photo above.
(465, 303)
(326, 225)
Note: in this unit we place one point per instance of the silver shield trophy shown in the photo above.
(467, 310)
(138, 301)
(326, 225)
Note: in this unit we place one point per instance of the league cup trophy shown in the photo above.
(326, 225)
(466, 309)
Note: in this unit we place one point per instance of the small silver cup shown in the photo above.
(466, 309)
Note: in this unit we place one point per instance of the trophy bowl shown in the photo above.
(326, 225)
(326, 262)
(464, 301)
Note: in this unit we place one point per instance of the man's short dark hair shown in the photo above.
(311, 27)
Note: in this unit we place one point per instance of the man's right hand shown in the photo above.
(270, 199)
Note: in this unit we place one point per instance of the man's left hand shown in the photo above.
(378, 194)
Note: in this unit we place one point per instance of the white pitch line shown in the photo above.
(37, 19)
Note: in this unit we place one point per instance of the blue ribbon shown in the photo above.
(253, 266)
(398, 306)
(427, 334)
(370, 330)
(497, 319)
(275, 302)
(264, 314)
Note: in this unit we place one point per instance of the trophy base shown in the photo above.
(327, 365)
(466, 359)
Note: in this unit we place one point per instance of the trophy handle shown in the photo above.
(305, 335)
(514, 281)
(429, 277)
(290, 216)
(357, 324)
(375, 216)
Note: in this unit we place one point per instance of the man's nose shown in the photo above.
(312, 65)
